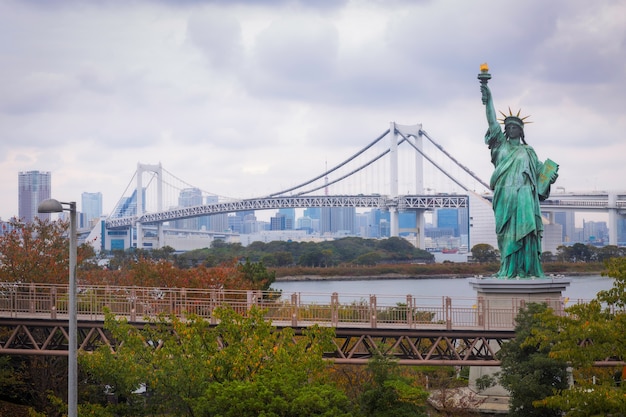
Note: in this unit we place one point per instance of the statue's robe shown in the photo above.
(519, 226)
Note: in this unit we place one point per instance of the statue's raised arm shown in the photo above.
(484, 77)
(489, 108)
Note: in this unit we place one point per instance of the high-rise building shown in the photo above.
(189, 197)
(278, 222)
(33, 188)
(290, 217)
(338, 219)
(621, 231)
(219, 222)
(595, 232)
(91, 208)
(378, 224)
(567, 220)
(448, 219)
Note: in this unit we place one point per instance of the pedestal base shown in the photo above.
(495, 294)
(501, 300)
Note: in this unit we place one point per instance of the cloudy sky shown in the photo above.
(243, 98)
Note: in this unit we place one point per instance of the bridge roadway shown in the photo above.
(594, 201)
(407, 202)
(416, 331)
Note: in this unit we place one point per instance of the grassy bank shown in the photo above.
(429, 270)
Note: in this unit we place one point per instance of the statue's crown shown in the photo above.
(513, 118)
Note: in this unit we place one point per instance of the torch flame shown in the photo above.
(484, 67)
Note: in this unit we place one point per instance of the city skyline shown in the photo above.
(250, 98)
(35, 186)
(91, 205)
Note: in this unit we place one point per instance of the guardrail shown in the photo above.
(139, 304)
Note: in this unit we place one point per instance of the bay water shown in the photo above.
(427, 290)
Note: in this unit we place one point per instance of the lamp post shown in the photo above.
(54, 206)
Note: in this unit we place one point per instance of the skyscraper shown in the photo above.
(338, 219)
(290, 217)
(189, 197)
(91, 207)
(33, 188)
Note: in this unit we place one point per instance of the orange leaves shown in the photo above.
(147, 272)
(35, 252)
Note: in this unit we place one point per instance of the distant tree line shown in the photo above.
(348, 250)
(578, 252)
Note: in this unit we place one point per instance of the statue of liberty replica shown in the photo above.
(519, 181)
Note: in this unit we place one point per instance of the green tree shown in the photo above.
(283, 258)
(255, 272)
(398, 246)
(580, 252)
(610, 251)
(547, 256)
(590, 332)
(369, 258)
(528, 371)
(563, 253)
(312, 257)
(242, 366)
(484, 253)
(389, 394)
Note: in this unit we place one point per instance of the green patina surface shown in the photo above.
(519, 181)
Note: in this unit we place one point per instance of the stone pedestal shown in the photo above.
(499, 301)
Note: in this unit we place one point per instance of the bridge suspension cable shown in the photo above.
(354, 171)
(333, 169)
(120, 201)
(443, 171)
(463, 167)
(187, 185)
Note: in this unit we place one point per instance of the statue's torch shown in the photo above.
(484, 76)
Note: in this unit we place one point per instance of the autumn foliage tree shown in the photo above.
(161, 273)
(37, 252)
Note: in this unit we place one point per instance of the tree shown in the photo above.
(369, 258)
(484, 253)
(528, 371)
(241, 367)
(283, 258)
(580, 252)
(389, 394)
(38, 252)
(595, 331)
(610, 251)
(312, 257)
(256, 274)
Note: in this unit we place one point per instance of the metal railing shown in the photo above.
(138, 304)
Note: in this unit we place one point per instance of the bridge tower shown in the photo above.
(414, 133)
(158, 170)
(613, 216)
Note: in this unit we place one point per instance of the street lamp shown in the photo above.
(54, 206)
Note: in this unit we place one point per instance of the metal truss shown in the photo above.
(407, 202)
(353, 345)
(356, 346)
(420, 346)
(48, 337)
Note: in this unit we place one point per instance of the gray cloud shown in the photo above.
(294, 58)
(249, 97)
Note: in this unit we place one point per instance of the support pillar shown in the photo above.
(613, 216)
(393, 175)
(499, 301)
